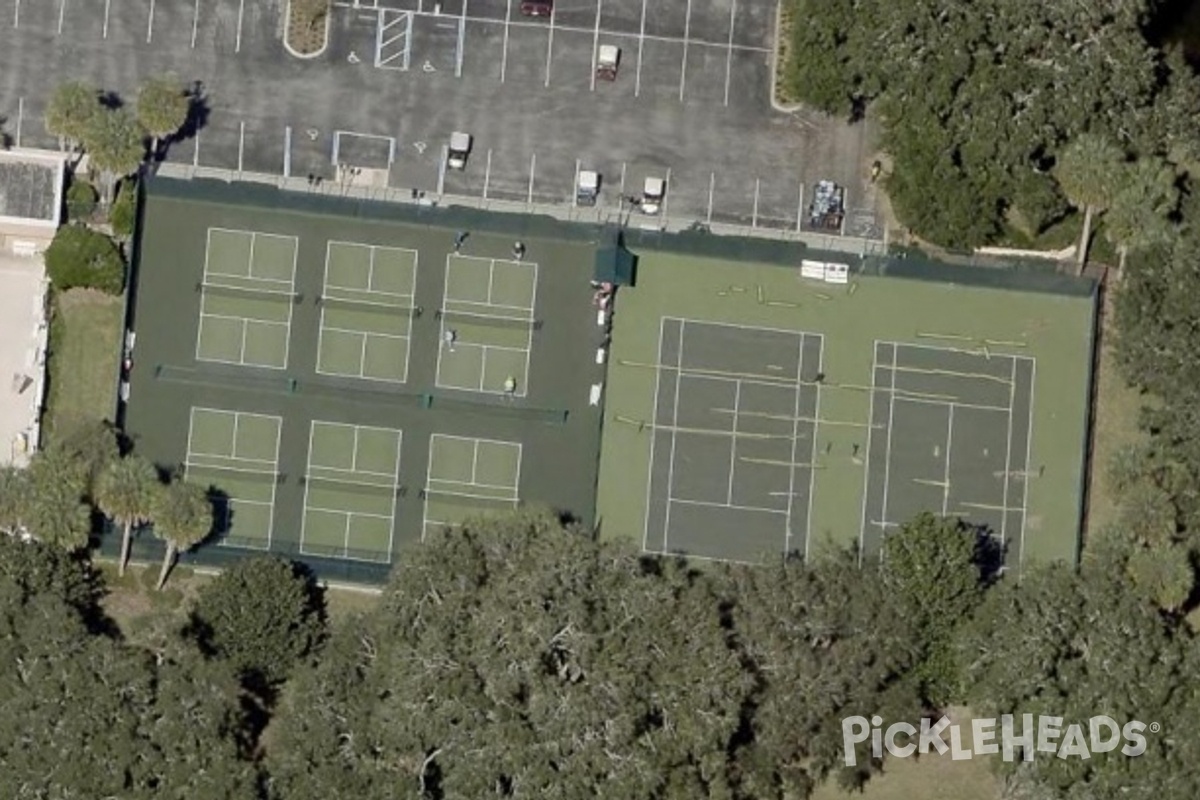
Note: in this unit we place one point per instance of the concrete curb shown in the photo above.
(775, 104)
(287, 16)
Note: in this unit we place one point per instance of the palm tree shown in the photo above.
(1087, 171)
(124, 492)
(162, 108)
(70, 111)
(183, 517)
(57, 515)
(1141, 208)
(116, 145)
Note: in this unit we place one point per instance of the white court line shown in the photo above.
(107, 8)
(729, 49)
(491, 279)
(932, 402)
(715, 324)
(862, 531)
(529, 333)
(62, 11)
(550, 44)
(195, 28)
(946, 474)
(242, 351)
(345, 512)
(474, 461)
(674, 437)
(150, 24)
(241, 12)
(737, 399)
(968, 351)
(637, 82)
(787, 523)
(475, 484)
(230, 468)
(887, 453)
(812, 471)
(653, 435)
(687, 29)
(731, 506)
(1028, 457)
(1012, 397)
(504, 51)
(714, 559)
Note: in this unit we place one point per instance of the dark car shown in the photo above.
(537, 8)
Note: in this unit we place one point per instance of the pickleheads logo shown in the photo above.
(1044, 734)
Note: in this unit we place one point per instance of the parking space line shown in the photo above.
(195, 22)
(754, 213)
(504, 56)
(596, 43)
(532, 168)
(637, 80)
(575, 193)
(622, 193)
(241, 144)
(196, 150)
(62, 11)
(729, 50)
(687, 30)
(241, 12)
(150, 24)
(800, 208)
(666, 195)
(462, 37)
(107, 7)
(487, 173)
(712, 185)
(287, 151)
(20, 119)
(17, 14)
(550, 45)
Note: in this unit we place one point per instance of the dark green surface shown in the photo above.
(559, 432)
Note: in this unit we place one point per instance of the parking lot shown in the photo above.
(690, 102)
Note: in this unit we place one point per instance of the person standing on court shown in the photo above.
(449, 338)
(459, 239)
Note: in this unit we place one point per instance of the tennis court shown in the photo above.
(247, 294)
(367, 311)
(469, 476)
(487, 323)
(950, 434)
(236, 454)
(733, 437)
(351, 486)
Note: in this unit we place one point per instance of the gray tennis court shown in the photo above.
(733, 439)
(950, 434)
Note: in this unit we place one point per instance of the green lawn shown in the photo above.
(85, 353)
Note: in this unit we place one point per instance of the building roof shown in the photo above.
(31, 187)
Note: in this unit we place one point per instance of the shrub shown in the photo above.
(81, 200)
(124, 210)
(82, 257)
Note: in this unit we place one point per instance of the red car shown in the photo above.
(537, 8)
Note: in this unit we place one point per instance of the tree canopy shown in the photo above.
(79, 256)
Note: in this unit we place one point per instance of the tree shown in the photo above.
(124, 492)
(929, 569)
(1089, 171)
(79, 256)
(56, 513)
(29, 568)
(518, 658)
(1142, 207)
(183, 517)
(116, 145)
(84, 448)
(70, 112)
(162, 109)
(262, 616)
(14, 499)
